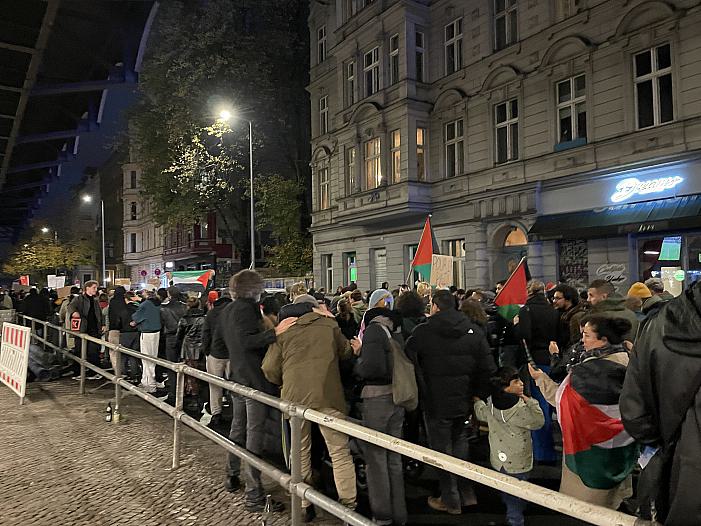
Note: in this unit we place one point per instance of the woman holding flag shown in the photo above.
(598, 454)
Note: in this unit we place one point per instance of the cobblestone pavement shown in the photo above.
(61, 464)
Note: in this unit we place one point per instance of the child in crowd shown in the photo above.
(511, 417)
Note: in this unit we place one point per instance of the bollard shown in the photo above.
(83, 358)
(179, 394)
(295, 468)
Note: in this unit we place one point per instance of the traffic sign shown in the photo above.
(157, 272)
(143, 273)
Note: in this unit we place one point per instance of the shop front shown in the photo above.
(625, 226)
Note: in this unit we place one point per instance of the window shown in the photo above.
(506, 121)
(327, 271)
(571, 109)
(350, 268)
(132, 242)
(653, 86)
(132, 211)
(421, 154)
(505, 23)
(567, 8)
(371, 68)
(454, 156)
(323, 115)
(456, 248)
(373, 168)
(353, 6)
(324, 200)
(379, 266)
(321, 44)
(453, 47)
(350, 170)
(394, 59)
(396, 156)
(420, 57)
(350, 83)
(132, 179)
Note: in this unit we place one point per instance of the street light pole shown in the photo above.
(250, 162)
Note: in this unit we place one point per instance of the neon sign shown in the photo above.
(633, 186)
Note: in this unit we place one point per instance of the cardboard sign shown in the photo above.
(123, 282)
(14, 357)
(441, 271)
(63, 292)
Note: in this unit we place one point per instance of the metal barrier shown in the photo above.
(297, 414)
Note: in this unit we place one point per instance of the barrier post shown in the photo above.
(34, 330)
(118, 375)
(179, 394)
(83, 358)
(295, 467)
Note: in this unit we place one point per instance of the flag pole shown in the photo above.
(511, 276)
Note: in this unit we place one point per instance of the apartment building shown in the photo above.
(565, 130)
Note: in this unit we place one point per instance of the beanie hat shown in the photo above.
(213, 296)
(639, 290)
(378, 295)
(306, 298)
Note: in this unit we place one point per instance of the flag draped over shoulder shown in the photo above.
(595, 445)
(424, 253)
(514, 293)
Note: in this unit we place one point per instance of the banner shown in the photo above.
(441, 271)
(14, 357)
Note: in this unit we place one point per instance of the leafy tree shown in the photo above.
(38, 255)
(251, 56)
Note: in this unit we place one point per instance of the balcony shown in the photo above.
(198, 247)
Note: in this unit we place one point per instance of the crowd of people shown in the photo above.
(620, 375)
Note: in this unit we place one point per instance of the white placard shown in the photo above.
(14, 357)
(51, 281)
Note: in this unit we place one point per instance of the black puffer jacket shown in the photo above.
(538, 325)
(661, 393)
(453, 363)
(117, 309)
(374, 365)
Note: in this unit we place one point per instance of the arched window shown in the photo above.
(515, 238)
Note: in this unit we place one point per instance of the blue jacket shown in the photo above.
(148, 317)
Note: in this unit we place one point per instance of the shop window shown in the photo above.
(653, 86)
(662, 258)
(516, 238)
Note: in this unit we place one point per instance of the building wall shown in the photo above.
(556, 40)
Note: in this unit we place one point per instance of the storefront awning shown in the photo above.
(652, 216)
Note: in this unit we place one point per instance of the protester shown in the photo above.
(172, 311)
(116, 311)
(358, 305)
(453, 363)
(603, 299)
(598, 455)
(247, 344)
(36, 306)
(511, 416)
(217, 356)
(382, 337)
(566, 302)
(637, 294)
(189, 341)
(147, 319)
(305, 362)
(410, 307)
(378, 300)
(656, 287)
(346, 320)
(85, 311)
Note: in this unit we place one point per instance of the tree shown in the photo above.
(252, 56)
(37, 255)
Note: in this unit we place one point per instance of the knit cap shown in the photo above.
(376, 296)
(639, 290)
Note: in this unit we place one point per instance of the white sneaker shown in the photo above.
(160, 385)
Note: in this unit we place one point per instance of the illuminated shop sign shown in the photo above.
(634, 186)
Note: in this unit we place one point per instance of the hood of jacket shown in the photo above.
(537, 299)
(681, 323)
(615, 302)
(653, 302)
(450, 323)
(392, 318)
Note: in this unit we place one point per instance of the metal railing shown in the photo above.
(292, 481)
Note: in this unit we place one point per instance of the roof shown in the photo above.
(57, 58)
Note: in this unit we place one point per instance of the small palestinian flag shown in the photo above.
(192, 277)
(514, 294)
(596, 447)
(424, 253)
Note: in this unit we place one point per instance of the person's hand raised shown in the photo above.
(535, 372)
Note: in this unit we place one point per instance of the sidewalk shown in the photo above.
(61, 464)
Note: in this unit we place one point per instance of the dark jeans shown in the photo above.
(449, 435)
(543, 443)
(237, 433)
(514, 506)
(131, 366)
(383, 467)
(172, 355)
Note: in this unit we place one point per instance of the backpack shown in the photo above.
(405, 391)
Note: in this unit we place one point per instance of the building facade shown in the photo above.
(566, 130)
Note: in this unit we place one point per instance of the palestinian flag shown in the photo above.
(514, 294)
(424, 253)
(192, 277)
(595, 445)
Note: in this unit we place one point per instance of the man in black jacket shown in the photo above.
(85, 311)
(171, 312)
(247, 343)
(454, 363)
(214, 348)
(661, 407)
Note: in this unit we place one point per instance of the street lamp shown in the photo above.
(225, 115)
(88, 199)
(46, 230)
